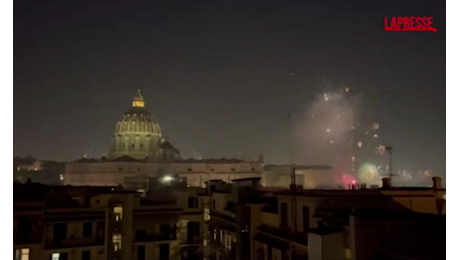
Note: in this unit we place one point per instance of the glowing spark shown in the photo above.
(427, 173)
(353, 158)
(360, 144)
(380, 149)
(326, 97)
(347, 89)
(376, 135)
(328, 130)
(375, 126)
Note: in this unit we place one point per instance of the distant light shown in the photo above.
(328, 130)
(354, 182)
(167, 179)
(61, 177)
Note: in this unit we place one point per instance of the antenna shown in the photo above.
(293, 189)
(389, 150)
(293, 209)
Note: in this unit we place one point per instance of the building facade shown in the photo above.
(70, 223)
(138, 149)
(324, 224)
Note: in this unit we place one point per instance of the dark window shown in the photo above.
(189, 169)
(193, 232)
(284, 217)
(24, 227)
(214, 204)
(120, 169)
(100, 232)
(59, 232)
(164, 252)
(233, 169)
(167, 231)
(141, 146)
(253, 169)
(306, 218)
(141, 253)
(192, 202)
(212, 169)
(141, 234)
(132, 146)
(85, 255)
(88, 229)
(270, 253)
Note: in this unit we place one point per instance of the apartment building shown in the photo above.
(73, 223)
(356, 224)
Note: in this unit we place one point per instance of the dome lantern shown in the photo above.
(138, 100)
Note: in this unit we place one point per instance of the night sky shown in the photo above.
(222, 76)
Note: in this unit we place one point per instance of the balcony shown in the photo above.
(25, 240)
(285, 234)
(145, 238)
(219, 246)
(196, 240)
(225, 217)
(73, 242)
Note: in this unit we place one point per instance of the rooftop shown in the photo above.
(393, 191)
(298, 167)
(126, 158)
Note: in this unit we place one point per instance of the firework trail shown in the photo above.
(337, 129)
(324, 129)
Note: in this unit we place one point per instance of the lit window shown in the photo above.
(22, 254)
(116, 240)
(228, 242)
(118, 212)
(206, 214)
(55, 256)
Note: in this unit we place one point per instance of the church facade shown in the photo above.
(138, 150)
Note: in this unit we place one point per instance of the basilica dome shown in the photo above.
(137, 134)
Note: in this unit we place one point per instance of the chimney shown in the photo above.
(386, 183)
(437, 183)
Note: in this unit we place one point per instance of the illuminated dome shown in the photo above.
(137, 133)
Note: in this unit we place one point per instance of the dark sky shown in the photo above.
(221, 76)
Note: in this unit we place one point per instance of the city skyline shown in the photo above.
(222, 83)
